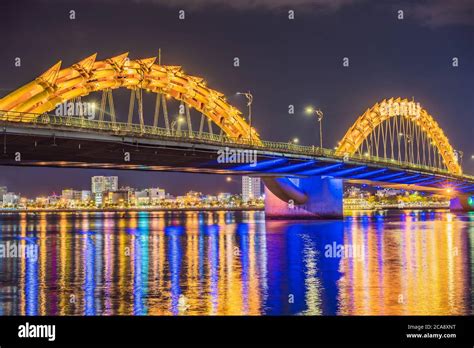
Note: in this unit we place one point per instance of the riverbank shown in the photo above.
(152, 209)
(397, 208)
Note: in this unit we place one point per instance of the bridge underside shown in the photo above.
(62, 148)
(323, 200)
(40, 147)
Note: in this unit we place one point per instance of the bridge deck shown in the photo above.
(78, 142)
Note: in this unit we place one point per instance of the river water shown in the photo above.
(236, 263)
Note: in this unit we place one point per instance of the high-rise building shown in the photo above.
(11, 198)
(102, 184)
(251, 188)
(97, 184)
(3, 191)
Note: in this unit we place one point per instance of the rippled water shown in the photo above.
(236, 263)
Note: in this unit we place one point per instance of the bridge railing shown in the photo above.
(122, 128)
(137, 130)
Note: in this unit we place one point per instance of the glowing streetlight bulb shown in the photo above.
(309, 110)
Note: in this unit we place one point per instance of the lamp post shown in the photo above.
(178, 121)
(293, 141)
(319, 114)
(249, 97)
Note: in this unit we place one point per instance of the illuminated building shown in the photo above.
(85, 195)
(67, 194)
(53, 200)
(142, 197)
(357, 203)
(388, 192)
(149, 196)
(119, 197)
(156, 194)
(98, 199)
(251, 188)
(3, 191)
(102, 184)
(41, 201)
(10, 198)
(223, 196)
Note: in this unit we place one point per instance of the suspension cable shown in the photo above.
(157, 110)
(131, 106)
(165, 114)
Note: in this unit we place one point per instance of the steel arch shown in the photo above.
(56, 86)
(373, 117)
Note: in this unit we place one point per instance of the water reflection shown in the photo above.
(226, 263)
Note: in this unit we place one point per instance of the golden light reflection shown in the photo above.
(165, 263)
(419, 270)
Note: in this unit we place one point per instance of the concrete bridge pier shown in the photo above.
(304, 198)
(462, 203)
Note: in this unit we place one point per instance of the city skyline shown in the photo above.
(103, 184)
(129, 179)
(317, 77)
(105, 193)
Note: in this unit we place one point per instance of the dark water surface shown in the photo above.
(218, 263)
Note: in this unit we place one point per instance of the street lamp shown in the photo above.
(294, 141)
(179, 120)
(319, 114)
(249, 97)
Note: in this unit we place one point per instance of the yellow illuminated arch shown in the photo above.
(57, 86)
(373, 117)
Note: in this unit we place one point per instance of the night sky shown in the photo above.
(282, 62)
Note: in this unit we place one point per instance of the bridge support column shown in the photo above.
(462, 203)
(324, 201)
